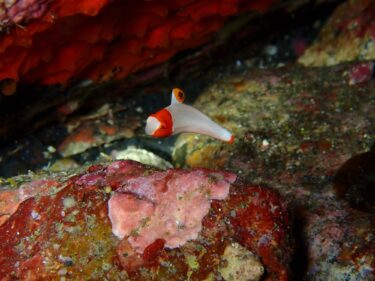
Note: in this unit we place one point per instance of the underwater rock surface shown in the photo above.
(18, 11)
(308, 132)
(340, 240)
(66, 231)
(355, 182)
(294, 130)
(349, 35)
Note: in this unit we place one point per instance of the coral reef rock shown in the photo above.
(132, 222)
(295, 127)
(348, 35)
(340, 241)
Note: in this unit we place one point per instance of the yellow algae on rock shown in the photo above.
(64, 164)
(347, 36)
(254, 108)
(210, 156)
(239, 264)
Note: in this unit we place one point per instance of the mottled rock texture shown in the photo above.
(20, 11)
(294, 128)
(349, 35)
(66, 231)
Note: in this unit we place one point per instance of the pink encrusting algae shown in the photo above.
(166, 205)
(11, 199)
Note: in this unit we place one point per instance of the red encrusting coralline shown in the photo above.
(67, 231)
(361, 72)
(103, 39)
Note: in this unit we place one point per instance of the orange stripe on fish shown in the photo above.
(179, 118)
(160, 124)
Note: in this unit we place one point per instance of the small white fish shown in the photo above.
(182, 118)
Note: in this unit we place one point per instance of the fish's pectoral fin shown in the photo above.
(177, 96)
(231, 140)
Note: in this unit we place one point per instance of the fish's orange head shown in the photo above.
(160, 124)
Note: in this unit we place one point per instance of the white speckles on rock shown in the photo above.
(35, 215)
(239, 264)
(69, 202)
(67, 261)
(238, 63)
(62, 271)
(270, 50)
(265, 143)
